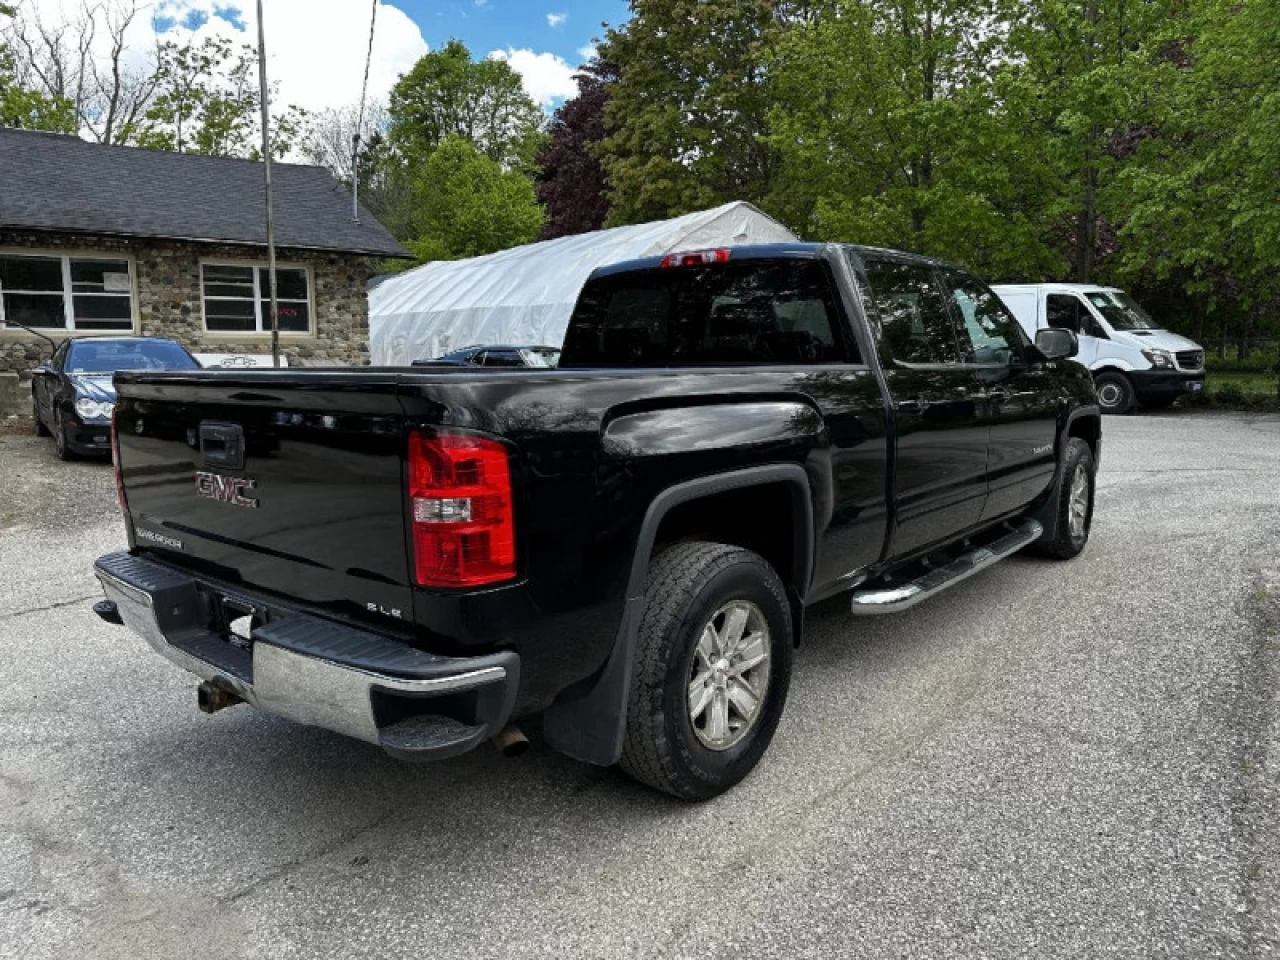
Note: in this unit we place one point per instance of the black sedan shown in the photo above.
(496, 356)
(72, 395)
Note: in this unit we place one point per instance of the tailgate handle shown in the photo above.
(222, 445)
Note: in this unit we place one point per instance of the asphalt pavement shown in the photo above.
(1050, 760)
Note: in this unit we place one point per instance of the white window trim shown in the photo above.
(261, 319)
(65, 256)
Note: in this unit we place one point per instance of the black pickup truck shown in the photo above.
(622, 548)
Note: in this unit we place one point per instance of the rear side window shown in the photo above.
(916, 326)
(502, 358)
(751, 312)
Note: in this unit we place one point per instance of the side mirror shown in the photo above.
(1057, 344)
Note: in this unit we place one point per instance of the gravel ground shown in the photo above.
(1051, 760)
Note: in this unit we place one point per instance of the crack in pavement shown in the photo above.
(300, 862)
(57, 604)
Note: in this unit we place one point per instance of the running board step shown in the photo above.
(870, 603)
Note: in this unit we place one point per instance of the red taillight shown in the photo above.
(460, 508)
(695, 258)
(115, 465)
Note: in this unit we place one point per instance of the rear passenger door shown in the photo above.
(940, 480)
(1019, 396)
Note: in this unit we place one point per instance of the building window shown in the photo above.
(65, 293)
(237, 298)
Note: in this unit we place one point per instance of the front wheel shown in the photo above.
(712, 668)
(1074, 502)
(1115, 392)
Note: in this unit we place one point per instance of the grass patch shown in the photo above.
(1258, 383)
(1236, 390)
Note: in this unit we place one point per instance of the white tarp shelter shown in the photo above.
(525, 295)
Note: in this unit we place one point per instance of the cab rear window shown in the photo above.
(750, 312)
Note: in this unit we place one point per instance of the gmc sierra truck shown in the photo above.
(621, 549)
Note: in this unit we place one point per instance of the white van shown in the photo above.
(1130, 356)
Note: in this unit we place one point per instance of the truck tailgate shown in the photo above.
(288, 483)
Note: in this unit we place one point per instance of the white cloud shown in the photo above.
(556, 19)
(315, 48)
(547, 77)
(587, 53)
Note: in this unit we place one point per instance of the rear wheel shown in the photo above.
(1115, 392)
(40, 428)
(60, 444)
(1075, 504)
(712, 668)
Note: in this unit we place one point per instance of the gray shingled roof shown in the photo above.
(61, 183)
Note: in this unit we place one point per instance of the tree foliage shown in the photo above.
(466, 204)
(207, 102)
(688, 116)
(1028, 139)
(24, 108)
(84, 60)
(80, 75)
(447, 94)
(570, 179)
(886, 127)
(1200, 202)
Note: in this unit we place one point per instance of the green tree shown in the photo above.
(1072, 88)
(1200, 202)
(447, 94)
(29, 109)
(207, 102)
(688, 117)
(466, 204)
(888, 132)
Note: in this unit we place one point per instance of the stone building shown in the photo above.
(109, 240)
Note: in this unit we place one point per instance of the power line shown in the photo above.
(364, 87)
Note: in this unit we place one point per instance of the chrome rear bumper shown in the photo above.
(312, 670)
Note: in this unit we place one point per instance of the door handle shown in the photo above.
(998, 395)
(222, 444)
(918, 403)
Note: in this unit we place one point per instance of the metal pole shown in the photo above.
(355, 177)
(265, 98)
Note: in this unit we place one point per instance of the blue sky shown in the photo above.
(316, 48)
(516, 24)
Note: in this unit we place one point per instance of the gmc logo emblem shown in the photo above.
(214, 486)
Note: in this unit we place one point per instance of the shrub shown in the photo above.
(1260, 362)
(1228, 395)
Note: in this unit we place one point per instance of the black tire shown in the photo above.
(60, 445)
(688, 585)
(1066, 543)
(40, 428)
(1162, 402)
(1115, 392)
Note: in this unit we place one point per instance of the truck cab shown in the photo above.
(1132, 359)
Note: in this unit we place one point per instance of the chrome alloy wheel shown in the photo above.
(730, 675)
(1078, 504)
(1110, 395)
